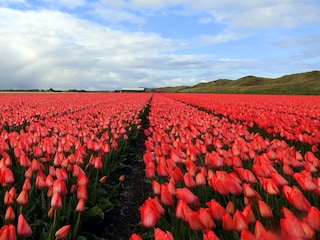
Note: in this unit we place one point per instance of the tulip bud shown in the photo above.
(51, 213)
(122, 178)
(10, 215)
(103, 179)
(81, 205)
(63, 232)
(24, 230)
(8, 199)
(22, 199)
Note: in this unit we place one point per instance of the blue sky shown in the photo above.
(111, 44)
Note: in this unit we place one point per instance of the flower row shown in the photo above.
(296, 118)
(61, 168)
(212, 178)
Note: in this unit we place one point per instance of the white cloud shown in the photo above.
(225, 36)
(72, 3)
(44, 49)
(115, 15)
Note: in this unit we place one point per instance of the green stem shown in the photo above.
(53, 226)
(76, 227)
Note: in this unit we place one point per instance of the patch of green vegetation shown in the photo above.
(307, 83)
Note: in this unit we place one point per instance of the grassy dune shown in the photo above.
(299, 83)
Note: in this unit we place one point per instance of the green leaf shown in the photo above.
(94, 213)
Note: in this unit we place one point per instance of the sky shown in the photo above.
(112, 44)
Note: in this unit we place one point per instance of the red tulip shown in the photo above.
(82, 180)
(62, 174)
(248, 191)
(187, 196)
(177, 174)
(81, 205)
(23, 228)
(269, 186)
(209, 235)
(56, 201)
(216, 210)
(8, 199)
(161, 235)
(201, 179)
(205, 218)
(10, 215)
(313, 218)
(60, 186)
(183, 210)
(189, 180)
(98, 163)
(264, 209)
(63, 232)
(150, 170)
(310, 233)
(305, 182)
(259, 229)
(195, 222)
(239, 222)
(230, 208)
(7, 176)
(248, 213)
(247, 235)
(22, 199)
(150, 212)
(156, 187)
(278, 179)
(35, 165)
(41, 180)
(8, 232)
(82, 192)
(165, 195)
(291, 227)
(296, 198)
(227, 222)
(135, 236)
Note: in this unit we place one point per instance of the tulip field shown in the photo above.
(219, 166)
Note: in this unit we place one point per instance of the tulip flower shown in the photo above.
(291, 227)
(313, 218)
(248, 213)
(296, 198)
(155, 187)
(10, 215)
(259, 229)
(135, 236)
(23, 228)
(60, 186)
(8, 232)
(63, 232)
(264, 209)
(8, 199)
(162, 235)
(227, 222)
(165, 195)
(246, 235)
(239, 222)
(150, 212)
(186, 195)
(22, 199)
(82, 192)
(216, 210)
(210, 235)
(183, 210)
(56, 201)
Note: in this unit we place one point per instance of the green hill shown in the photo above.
(299, 83)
